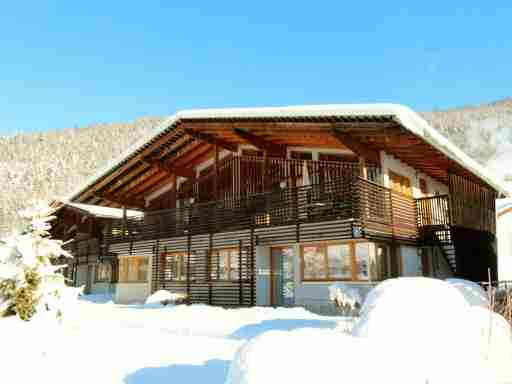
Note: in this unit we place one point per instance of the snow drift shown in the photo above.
(411, 330)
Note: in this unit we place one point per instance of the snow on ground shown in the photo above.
(101, 342)
(411, 330)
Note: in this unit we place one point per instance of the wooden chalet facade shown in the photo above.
(267, 206)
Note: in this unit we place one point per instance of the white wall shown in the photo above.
(129, 293)
(102, 288)
(395, 165)
(504, 238)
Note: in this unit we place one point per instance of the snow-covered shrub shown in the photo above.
(29, 282)
(164, 297)
(472, 292)
(345, 298)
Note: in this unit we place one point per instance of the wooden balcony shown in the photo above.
(373, 210)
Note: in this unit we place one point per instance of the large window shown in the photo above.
(103, 273)
(400, 183)
(353, 261)
(224, 264)
(133, 269)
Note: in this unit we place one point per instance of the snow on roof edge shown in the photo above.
(407, 117)
(102, 212)
(115, 162)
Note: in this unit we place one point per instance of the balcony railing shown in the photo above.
(433, 211)
(377, 208)
(238, 176)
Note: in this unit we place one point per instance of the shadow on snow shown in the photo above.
(252, 330)
(213, 371)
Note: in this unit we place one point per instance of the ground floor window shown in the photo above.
(133, 269)
(103, 273)
(175, 266)
(354, 261)
(224, 264)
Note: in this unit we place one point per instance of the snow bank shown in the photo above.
(163, 298)
(308, 356)
(495, 340)
(472, 292)
(412, 330)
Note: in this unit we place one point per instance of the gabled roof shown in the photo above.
(408, 119)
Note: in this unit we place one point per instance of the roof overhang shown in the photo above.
(406, 118)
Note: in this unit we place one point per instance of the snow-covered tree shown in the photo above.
(29, 283)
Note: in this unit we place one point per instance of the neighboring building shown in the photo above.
(268, 206)
(83, 227)
(504, 234)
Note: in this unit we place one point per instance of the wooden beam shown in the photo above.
(261, 143)
(130, 163)
(356, 146)
(211, 139)
(171, 169)
(121, 201)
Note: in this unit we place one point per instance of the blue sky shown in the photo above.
(66, 66)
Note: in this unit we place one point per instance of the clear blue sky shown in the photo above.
(65, 66)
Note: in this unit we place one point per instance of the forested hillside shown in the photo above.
(38, 166)
(35, 167)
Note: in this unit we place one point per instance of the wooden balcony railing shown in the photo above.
(378, 209)
(238, 176)
(433, 211)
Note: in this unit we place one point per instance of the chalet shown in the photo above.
(268, 206)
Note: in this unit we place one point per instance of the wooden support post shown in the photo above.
(363, 170)
(209, 267)
(189, 244)
(252, 259)
(215, 165)
(240, 284)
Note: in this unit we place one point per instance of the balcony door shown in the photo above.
(282, 284)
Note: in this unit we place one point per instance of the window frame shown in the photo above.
(215, 252)
(353, 261)
(325, 246)
(181, 271)
(125, 264)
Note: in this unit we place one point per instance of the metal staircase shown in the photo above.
(440, 236)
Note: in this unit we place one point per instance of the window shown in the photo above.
(346, 158)
(400, 183)
(133, 269)
(224, 264)
(379, 263)
(301, 155)
(103, 273)
(175, 267)
(252, 153)
(362, 256)
(356, 261)
(423, 187)
(338, 262)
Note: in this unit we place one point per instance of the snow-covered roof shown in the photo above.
(405, 116)
(103, 212)
(503, 206)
